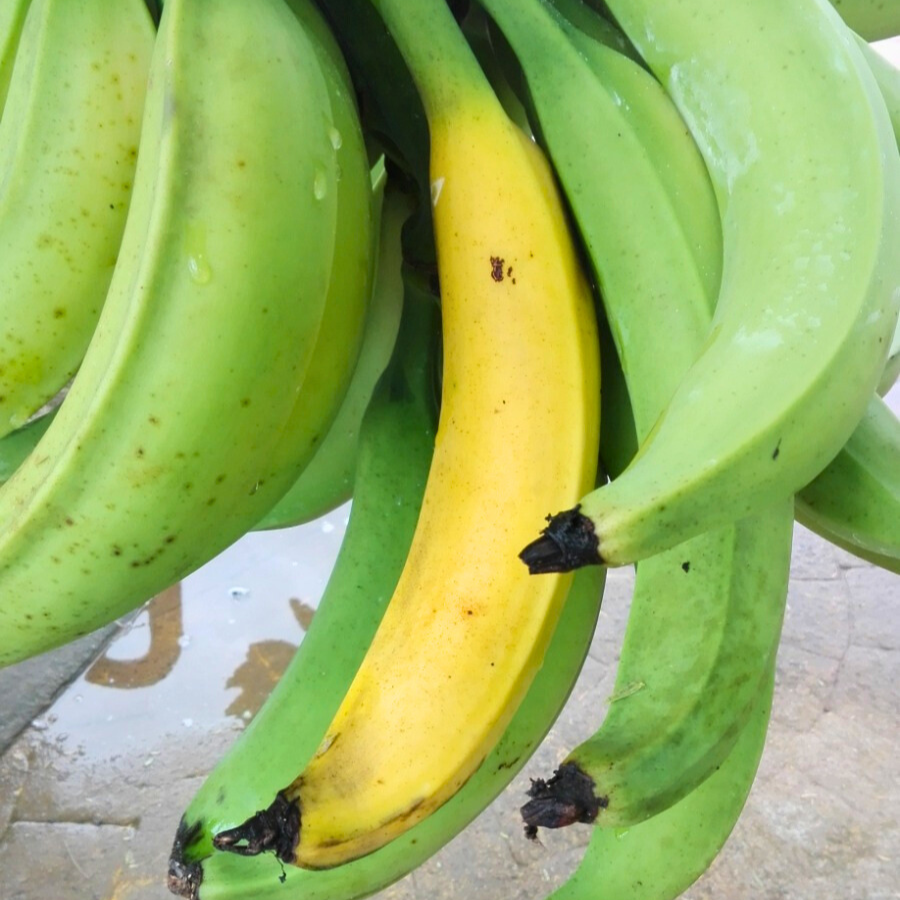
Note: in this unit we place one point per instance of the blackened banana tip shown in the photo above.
(568, 797)
(275, 829)
(567, 543)
(184, 875)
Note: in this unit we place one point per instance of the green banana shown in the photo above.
(68, 143)
(16, 446)
(855, 501)
(873, 20)
(660, 858)
(12, 17)
(327, 481)
(809, 295)
(706, 616)
(352, 267)
(154, 463)
(395, 447)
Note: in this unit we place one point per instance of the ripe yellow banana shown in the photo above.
(465, 631)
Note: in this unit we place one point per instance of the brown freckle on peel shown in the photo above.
(59, 313)
(497, 268)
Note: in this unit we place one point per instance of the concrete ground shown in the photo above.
(92, 787)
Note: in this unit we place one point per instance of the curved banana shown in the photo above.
(68, 144)
(12, 18)
(395, 451)
(327, 481)
(873, 20)
(662, 857)
(810, 285)
(855, 501)
(352, 267)
(155, 461)
(465, 631)
(395, 447)
(705, 617)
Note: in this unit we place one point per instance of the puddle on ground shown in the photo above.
(207, 652)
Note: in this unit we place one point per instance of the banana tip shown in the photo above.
(567, 543)
(568, 797)
(184, 876)
(275, 829)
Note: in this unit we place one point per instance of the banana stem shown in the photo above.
(442, 64)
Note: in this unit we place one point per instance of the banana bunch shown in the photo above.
(264, 257)
(248, 233)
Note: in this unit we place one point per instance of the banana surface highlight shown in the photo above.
(68, 144)
(706, 616)
(811, 280)
(12, 17)
(154, 463)
(465, 632)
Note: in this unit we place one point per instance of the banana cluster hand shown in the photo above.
(275, 254)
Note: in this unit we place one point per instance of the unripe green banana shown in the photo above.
(854, 501)
(327, 480)
(16, 446)
(706, 616)
(811, 277)
(156, 459)
(12, 18)
(352, 268)
(873, 20)
(68, 144)
(660, 858)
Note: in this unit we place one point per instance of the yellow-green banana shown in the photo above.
(328, 478)
(465, 633)
(811, 279)
(68, 144)
(12, 17)
(156, 460)
(706, 616)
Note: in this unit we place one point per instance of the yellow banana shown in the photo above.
(465, 631)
